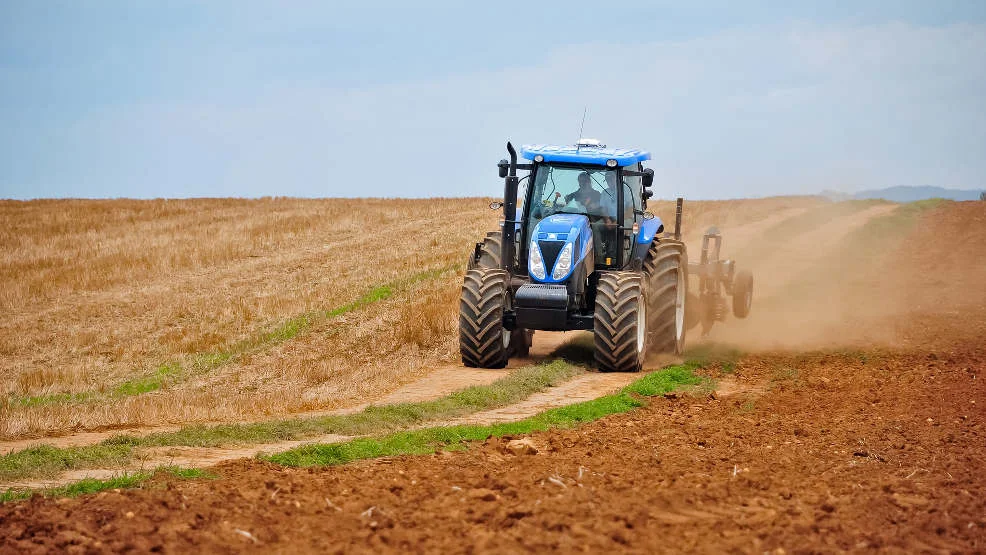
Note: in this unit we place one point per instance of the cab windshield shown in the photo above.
(574, 190)
(587, 190)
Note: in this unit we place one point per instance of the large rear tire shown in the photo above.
(489, 253)
(621, 322)
(483, 341)
(666, 268)
(742, 294)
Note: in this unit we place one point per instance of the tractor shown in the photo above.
(578, 250)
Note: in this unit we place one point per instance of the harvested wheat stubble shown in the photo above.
(136, 284)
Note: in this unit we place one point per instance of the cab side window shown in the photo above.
(631, 195)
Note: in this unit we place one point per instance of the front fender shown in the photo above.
(649, 230)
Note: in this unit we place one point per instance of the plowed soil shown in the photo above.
(828, 452)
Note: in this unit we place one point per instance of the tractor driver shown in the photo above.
(601, 211)
(586, 197)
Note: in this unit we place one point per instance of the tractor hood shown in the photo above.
(559, 243)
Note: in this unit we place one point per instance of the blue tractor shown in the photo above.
(578, 250)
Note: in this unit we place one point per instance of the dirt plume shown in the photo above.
(858, 275)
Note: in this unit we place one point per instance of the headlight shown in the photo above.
(564, 263)
(535, 264)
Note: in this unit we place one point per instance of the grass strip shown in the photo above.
(46, 460)
(174, 372)
(419, 442)
(815, 218)
(94, 485)
(429, 440)
(857, 251)
(873, 236)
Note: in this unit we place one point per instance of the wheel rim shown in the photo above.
(679, 306)
(641, 323)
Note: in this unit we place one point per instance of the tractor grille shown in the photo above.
(549, 251)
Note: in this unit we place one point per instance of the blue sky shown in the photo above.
(733, 99)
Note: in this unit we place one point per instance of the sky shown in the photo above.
(399, 99)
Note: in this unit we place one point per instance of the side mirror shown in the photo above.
(503, 165)
(647, 194)
(648, 179)
(495, 205)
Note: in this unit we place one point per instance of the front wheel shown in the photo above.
(621, 322)
(483, 341)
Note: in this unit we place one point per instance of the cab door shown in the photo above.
(631, 186)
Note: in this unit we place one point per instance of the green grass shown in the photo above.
(874, 235)
(188, 473)
(816, 218)
(94, 485)
(877, 238)
(45, 460)
(50, 399)
(176, 371)
(146, 384)
(708, 353)
(429, 440)
(421, 441)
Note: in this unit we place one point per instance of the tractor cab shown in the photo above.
(607, 186)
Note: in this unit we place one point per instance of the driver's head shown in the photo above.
(585, 182)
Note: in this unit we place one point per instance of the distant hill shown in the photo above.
(907, 194)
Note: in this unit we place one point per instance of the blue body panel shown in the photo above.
(585, 155)
(571, 228)
(648, 229)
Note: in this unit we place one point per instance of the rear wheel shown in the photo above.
(520, 342)
(483, 341)
(666, 269)
(621, 322)
(742, 294)
(489, 253)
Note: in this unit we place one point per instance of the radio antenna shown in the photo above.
(581, 127)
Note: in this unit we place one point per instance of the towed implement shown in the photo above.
(578, 250)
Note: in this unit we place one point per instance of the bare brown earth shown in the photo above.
(833, 451)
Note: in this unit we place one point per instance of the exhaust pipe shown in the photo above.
(677, 219)
(509, 213)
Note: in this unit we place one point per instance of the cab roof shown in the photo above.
(596, 154)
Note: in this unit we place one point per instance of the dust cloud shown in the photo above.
(851, 274)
